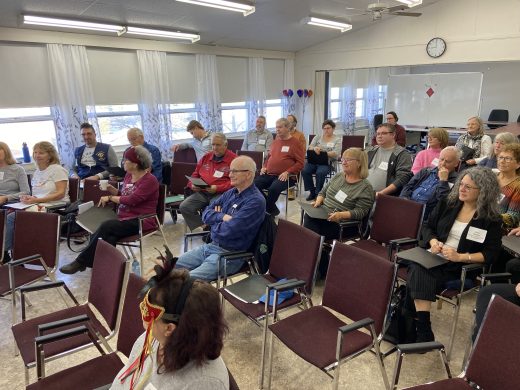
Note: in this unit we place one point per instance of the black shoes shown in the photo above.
(72, 268)
(310, 197)
(424, 327)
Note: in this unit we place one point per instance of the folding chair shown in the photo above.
(358, 286)
(92, 192)
(234, 144)
(258, 157)
(185, 155)
(178, 183)
(73, 189)
(136, 240)
(493, 363)
(102, 369)
(106, 294)
(36, 242)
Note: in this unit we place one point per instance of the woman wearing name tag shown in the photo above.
(326, 142)
(465, 228)
(429, 158)
(509, 179)
(474, 144)
(13, 179)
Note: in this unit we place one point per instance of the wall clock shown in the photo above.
(436, 47)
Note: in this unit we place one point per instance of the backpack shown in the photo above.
(264, 243)
(400, 323)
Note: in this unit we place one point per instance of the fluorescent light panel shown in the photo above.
(246, 9)
(313, 21)
(55, 22)
(411, 3)
(162, 33)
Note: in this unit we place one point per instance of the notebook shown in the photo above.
(423, 257)
(197, 181)
(317, 159)
(91, 219)
(321, 212)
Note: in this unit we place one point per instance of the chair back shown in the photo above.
(352, 141)
(2, 234)
(178, 180)
(131, 322)
(358, 284)
(493, 363)
(258, 157)
(106, 284)
(161, 203)
(234, 144)
(92, 192)
(378, 120)
(396, 218)
(37, 233)
(73, 189)
(185, 155)
(296, 253)
(311, 137)
(498, 115)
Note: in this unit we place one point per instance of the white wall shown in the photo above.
(475, 31)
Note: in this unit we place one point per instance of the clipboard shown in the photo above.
(321, 212)
(422, 257)
(197, 181)
(511, 244)
(91, 219)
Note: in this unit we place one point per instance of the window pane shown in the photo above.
(334, 93)
(24, 112)
(182, 106)
(116, 108)
(13, 134)
(334, 110)
(234, 120)
(273, 101)
(272, 114)
(113, 129)
(359, 93)
(235, 104)
(360, 108)
(179, 122)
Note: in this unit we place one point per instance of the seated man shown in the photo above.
(258, 139)
(389, 165)
(136, 137)
(213, 168)
(430, 185)
(286, 157)
(93, 158)
(234, 219)
(201, 140)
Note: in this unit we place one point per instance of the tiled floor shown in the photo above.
(242, 349)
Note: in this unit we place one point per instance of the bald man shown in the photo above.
(136, 137)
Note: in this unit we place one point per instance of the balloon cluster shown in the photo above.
(305, 93)
(288, 93)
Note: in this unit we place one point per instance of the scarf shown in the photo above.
(465, 139)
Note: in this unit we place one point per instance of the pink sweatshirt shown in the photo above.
(424, 159)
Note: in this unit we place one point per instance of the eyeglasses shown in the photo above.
(346, 160)
(383, 133)
(507, 159)
(467, 187)
(238, 170)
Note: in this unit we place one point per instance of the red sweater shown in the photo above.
(207, 166)
(285, 155)
(139, 198)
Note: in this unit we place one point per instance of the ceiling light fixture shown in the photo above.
(411, 3)
(162, 33)
(245, 8)
(314, 21)
(55, 22)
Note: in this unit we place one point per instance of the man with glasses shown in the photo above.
(234, 220)
(213, 169)
(389, 164)
(201, 140)
(430, 185)
(258, 139)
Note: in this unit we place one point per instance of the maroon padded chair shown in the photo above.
(352, 141)
(493, 363)
(109, 277)
(103, 369)
(185, 155)
(258, 157)
(73, 189)
(92, 192)
(177, 185)
(358, 286)
(2, 235)
(234, 144)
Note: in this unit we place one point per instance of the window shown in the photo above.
(381, 96)
(234, 117)
(360, 103)
(115, 120)
(334, 104)
(273, 112)
(30, 125)
(180, 115)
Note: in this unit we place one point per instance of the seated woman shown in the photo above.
(501, 139)
(509, 181)
(429, 158)
(474, 144)
(348, 194)
(138, 196)
(183, 340)
(326, 142)
(50, 184)
(465, 228)
(13, 179)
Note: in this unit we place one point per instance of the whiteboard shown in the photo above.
(434, 99)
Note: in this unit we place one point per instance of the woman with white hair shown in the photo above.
(474, 144)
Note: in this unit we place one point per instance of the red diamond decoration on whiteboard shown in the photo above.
(430, 92)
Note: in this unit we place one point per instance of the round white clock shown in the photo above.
(436, 47)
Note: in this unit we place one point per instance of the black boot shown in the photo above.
(424, 327)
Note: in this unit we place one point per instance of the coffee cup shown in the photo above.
(103, 185)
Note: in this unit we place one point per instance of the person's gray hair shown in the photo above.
(144, 156)
(489, 191)
(506, 138)
(221, 136)
(458, 152)
(135, 130)
(284, 122)
(480, 124)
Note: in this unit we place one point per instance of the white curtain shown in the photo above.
(319, 101)
(348, 102)
(372, 106)
(155, 99)
(72, 97)
(289, 105)
(208, 92)
(255, 90)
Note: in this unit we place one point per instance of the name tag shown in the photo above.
(261, 142)
(285, 149)
(330, 144)
(383, 165)
(235, 206)
(450, 185)
(501, 198)
(129, 185)
(476, 234)
(2, 175)
(218, 174)
(340, 196)
(149, 386)
(435, 162)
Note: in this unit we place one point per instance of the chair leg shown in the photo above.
(141, 258)
(454, 326)
(271, 355)
(444, 358)
(397, 369)
(26, 373)
(264, 350)
(379, 357)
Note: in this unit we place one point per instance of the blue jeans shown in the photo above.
(9, 231)
(202, 262)
(321, 172)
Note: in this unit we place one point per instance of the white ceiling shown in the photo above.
(274, 26)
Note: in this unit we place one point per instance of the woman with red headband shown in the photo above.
(138, 196)
(183, 340)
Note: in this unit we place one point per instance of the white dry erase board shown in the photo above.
(434, 99)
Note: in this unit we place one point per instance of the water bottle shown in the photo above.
(136, 267)
(26, 154)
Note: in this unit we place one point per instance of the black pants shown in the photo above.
(425, 283)
(110, 231)
(513, 267)
(274, 188)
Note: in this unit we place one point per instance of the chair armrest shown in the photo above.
(473, 266)
(196, 234)
(403, 241)
(236, 255)
(146, 216)
(41, 286)
(350, 222)
(24, 260)
(356, 325)
(49, 338)
(420, 347)
(496, 276)
(58, 324)
(286, 285)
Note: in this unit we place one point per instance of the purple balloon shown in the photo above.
(290, 92)
(299, 92)
(305, 93)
